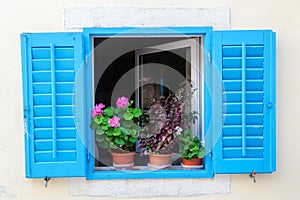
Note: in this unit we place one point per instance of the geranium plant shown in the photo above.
(190, 146)
(166, 118)
(116, 128)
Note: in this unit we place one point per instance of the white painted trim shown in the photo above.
(78, 17)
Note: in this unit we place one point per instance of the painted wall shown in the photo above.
(17, 16)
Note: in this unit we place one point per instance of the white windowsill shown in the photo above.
(220, 184)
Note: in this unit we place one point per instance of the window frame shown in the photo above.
(88, 35)
(192, 43)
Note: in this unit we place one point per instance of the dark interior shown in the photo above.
(122, 64)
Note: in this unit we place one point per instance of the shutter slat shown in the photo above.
(66, 133)
(254, 152)
(41, 52)
(64, 64)
(62, 144)
(41, 64)
(65, 121)
(42, 111)
(62, 156)
(236, 107)
(42, 88)
(236, 141)
(42, 133)
(235, 130)
(64, 110)
(65, 87)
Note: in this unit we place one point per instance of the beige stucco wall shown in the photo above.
(17, 16)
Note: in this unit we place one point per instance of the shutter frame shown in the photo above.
(39, 104)
(263, 158)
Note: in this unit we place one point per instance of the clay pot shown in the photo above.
(159, 161)
(192, 162)
(123, 158)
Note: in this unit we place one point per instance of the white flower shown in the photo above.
(178, 130)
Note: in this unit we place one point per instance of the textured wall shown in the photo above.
(17, 16)
(78, 17)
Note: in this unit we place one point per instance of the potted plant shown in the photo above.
(116, 128)
(157, 138)
(191, 150)
(159, 135)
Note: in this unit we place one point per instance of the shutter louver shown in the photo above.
(52, 61)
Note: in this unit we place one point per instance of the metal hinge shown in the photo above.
(25, 123)
(25, 112)
(46, 179)
(252, 175)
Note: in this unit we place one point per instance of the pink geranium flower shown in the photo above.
(98, 110)
(122, 102)
(114, 122)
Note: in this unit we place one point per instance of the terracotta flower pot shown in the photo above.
(192, 162)
(159, 161)
(123, 160)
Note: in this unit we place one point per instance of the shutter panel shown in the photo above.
(50, 64)
(246, 62)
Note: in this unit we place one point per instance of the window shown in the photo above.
(168, 63)
(236, 97)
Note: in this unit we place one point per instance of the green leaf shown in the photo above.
(103, 144)
(98, 119)
(126, 123)
(113, 146)
(128, 116)
(132, 139)
(201, 154)
(134, 132)
(108, 111)
(126, 131)
(194, 149)
(119, 141)
(93, 125)
(99, 131)
(136, 127)
(136, 112)
(105, 127)
(118, 110)
(109, 133)
(116, 132)
(100, 138)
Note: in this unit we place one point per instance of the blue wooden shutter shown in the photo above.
(246, 63)
(51, 62)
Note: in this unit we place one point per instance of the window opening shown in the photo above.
(119, 65)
